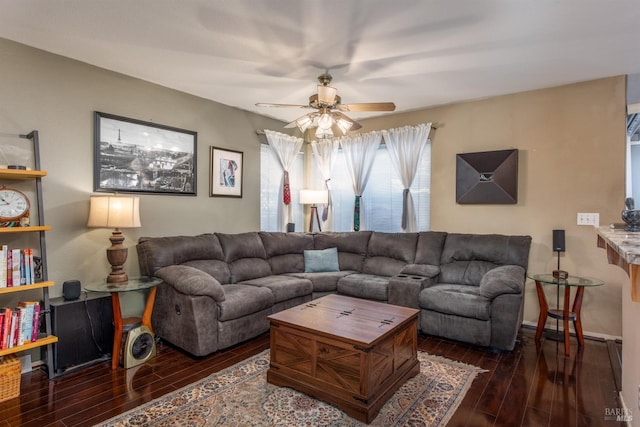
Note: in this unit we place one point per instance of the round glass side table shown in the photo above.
(564, 314)
(119, 323)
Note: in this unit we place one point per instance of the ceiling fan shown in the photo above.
(329, 108)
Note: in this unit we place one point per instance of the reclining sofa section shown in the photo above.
(219, 288)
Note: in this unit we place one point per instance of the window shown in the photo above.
(270, 181)
(382, 198)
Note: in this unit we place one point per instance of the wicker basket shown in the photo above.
(10, 370)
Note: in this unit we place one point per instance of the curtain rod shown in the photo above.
(13, 135)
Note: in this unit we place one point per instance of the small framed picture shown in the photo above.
(225, 173)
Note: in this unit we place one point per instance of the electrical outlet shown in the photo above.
(592, 219)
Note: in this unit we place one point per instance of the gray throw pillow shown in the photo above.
(321, 260)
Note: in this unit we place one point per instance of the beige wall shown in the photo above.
(58, 96)
(571, 143)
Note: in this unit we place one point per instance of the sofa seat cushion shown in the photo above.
(243, 300)
(283, 287)
(325, 281)
(367, 286)
(459, 300)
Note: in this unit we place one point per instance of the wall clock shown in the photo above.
(14, 206)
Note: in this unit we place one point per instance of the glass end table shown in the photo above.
(119, 323)
(565, 314)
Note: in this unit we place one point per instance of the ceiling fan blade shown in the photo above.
(368, 106)
(356, 126)
(266, 104)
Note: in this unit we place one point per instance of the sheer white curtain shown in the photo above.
(360, 151)
(285, 147)
(325, 151)
(405, 145)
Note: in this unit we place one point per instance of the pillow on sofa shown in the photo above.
(320, 260)
(191, 281)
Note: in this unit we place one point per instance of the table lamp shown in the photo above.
(314, 198)
(115, 212)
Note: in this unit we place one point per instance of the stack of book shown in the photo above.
(16, 267)
(19, 325)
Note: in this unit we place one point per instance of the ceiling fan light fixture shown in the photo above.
(344, 124)
(322, 133)
(303, 123)
(327, 94)
(325, 121)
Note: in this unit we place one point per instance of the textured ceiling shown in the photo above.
(415, 53)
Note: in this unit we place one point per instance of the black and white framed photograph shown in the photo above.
(143, 157)
(225, 173)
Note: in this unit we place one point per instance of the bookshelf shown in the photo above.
(46, 339)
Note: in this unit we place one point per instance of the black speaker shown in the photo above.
(84, 328)
(558, 241)
(71, 290)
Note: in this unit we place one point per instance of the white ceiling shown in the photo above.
(416, 53)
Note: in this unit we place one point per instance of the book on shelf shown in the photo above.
(26, 325)
(16, 267)
(19, 325)
(3, 266)
(13, 328)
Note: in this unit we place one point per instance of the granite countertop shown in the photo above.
(623, 250)
(625, 243)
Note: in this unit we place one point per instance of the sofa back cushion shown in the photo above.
(245, 254)
(285, 251)
(388, 253)
(352, 247)
(429, 248)
(467, 257)
(202, 251)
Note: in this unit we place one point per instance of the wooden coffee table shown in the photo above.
(351, 352)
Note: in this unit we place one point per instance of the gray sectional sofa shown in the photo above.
(219, 288)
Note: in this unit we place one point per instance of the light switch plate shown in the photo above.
(592, 219)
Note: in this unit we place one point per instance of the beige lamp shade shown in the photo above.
(314, 197)
(114, 212)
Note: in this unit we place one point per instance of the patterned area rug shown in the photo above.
(241, 396)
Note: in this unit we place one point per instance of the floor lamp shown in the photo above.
(314, 198)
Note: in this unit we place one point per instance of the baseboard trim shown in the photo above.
(587, 334)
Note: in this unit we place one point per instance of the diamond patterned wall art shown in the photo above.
(489, 177)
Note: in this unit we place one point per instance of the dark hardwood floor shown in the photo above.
(534, 385)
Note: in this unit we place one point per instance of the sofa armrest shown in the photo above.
(506, 279)
(424, 270)
(191, 281)
(404, 289)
